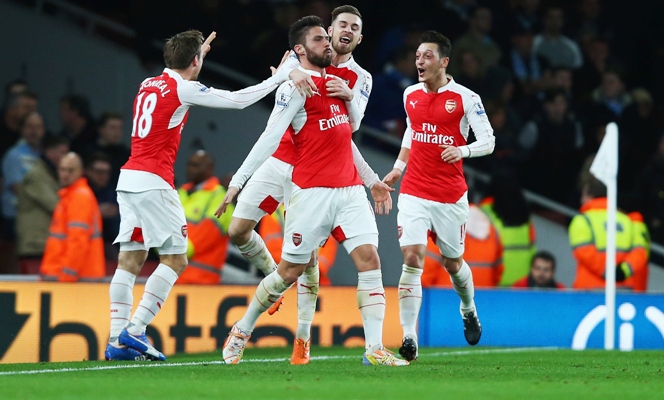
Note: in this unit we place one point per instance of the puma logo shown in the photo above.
(308, 287)
(377, 294)
(159, 305)
(460, 287)
(407, 289)
(412, 103)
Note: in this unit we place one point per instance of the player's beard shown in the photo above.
(322, 61)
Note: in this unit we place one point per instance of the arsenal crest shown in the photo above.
(297, 239)
(184, 230)
(450, 106)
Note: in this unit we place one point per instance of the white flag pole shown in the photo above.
(605, 168)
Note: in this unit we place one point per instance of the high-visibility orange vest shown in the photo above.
(587, 236)
(483, 253)
(271, 229)
(640, 264)
(75, 247)
(207, 245)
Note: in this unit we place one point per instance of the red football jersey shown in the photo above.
(161, 108)
(357, 79)
(436, 119)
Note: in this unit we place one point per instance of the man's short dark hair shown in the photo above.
(52, 141)
(97, 156)
(345, 9)
(78, 103)
(13, 100)
(544, 255)
(108, 115)
(180, 50)
(298, 31)
(594, 187)
(444, 44)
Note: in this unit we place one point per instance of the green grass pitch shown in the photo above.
(337, 373)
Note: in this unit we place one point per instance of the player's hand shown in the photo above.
(283, 60)
(205, 48)
(450, 154)
(303, 82)
(228, 199)
(337, 87)
(382, 198)
(392, 177)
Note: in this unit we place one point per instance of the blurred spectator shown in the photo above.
(16, 163)
(75, 248)
(553, 142)
(611, 98)
(271, 43)
(649, 194)
(551, 45)
(394, 40)
(597, 58)
(542, 273)
(37, 198)
(271, 229)
(110, 143)
(523, 17)
(77, 121)
(98, 174)
(477, 40)
(453, 18)
(587, 236)
(18, 85)
(509, 212)
(207, 235)
(388, 113)
(588, 22)
(483, 253)
(523, 63)
(19, 106)
(563, 78)
(489, 84)
(506, 125)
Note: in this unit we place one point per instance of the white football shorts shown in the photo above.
(267, 188)
(152, 219)
(446, 223)
(315, 213)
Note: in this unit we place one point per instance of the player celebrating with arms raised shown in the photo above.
(434, 195)
(150, 210)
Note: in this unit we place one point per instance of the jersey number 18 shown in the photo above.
(143, 114)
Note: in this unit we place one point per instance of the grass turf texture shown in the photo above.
(337, 373)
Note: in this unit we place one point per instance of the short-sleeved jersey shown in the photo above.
(436, 119)
(357, 79)
(161, 108)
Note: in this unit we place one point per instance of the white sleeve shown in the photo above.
(358, 105)
(408, 134)
(368, 176)
(288, 102)
(479, 122)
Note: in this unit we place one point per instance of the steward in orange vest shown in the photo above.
(75, 247)
(208, 238)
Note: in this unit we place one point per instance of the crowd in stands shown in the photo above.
(551, 73)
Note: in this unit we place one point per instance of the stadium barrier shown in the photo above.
(50, 321)
(559, 318)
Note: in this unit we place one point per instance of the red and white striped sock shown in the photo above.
(157, 288)
(267, 293)
(463, 285)
(122, 299)
(371, 302)
(307, 294)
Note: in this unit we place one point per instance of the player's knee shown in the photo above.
(177, 262)
(239, 232)
(369, 261)
(412, 259)
(452, 265)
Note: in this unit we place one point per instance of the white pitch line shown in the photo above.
(259, 360)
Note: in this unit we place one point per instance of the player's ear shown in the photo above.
(444, 62)
(299, 50)
(329, 30)
(360, 41)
